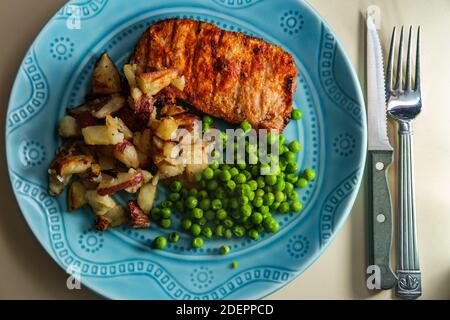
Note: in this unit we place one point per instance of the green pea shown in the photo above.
(234, 172)
(292, 177)
(257, 218)
(166, 204)
(197, 242)
(186, 224)
(279, 196)
(216, 204)
(292, 167)
(310, 174)
(281, 184)
(275, 205)
(175, 186)
(231, 185)
(239, 231)
(268, 189)
(197, 177)
(253, 234)
(174, 197)
(196, 229)
(246, 126)
(258, 202)
(259, 193)
(295, 146)
(205, 204)
(160, 243)
(271, 180)
(174, 237)
(296, 206)
(197, 213)
(269, 198)
(225, 175)
(224, 249)
(214, 165)
(217, 173)
(207, 232)
(281, 139)
(253, 185)
(207, 120)
(296, 114)
(166, 223)
(191, 202)
(246, 210)
(221, 214)
(234, 265)
(261, 182)
(293, 196)
(202, 194)
(166, 213)
(284, 207)
(247, 175)
(251, 196)
(289, 188)
(212, 185)
(272, 137)
(240, 178)
(243, 200)
(248, 224)
(273, 226)
(208, 174)
(242, 166)
(219, 230)
(301, 183)
(202, 221)
(265, 209)
(220, 193)
(228, 234)
(228, 223)
(290, 156)
(156, 213)
(255, 171)
(193, 192)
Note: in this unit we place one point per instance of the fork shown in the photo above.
(404, 102)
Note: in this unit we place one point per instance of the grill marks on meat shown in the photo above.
(228, 74)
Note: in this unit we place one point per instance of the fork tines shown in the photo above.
(398, 86)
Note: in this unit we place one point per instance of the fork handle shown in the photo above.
(409, 276)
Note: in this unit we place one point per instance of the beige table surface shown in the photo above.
(27, 272)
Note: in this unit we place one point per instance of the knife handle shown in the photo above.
(380, 218)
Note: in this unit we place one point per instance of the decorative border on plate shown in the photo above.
(327, 57)
(237, 4)
(332, 203)
(40, 92)
(84, 9)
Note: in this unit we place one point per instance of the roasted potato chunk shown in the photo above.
(100, 204)
(167, 128)
(123, 181)
(126, 153)
(68, 127)
(56, 184)
(153, 82)
(69, 165)
(146, 197)
(109, 106)
(101, 135)
(115, 217)
(76, 196)
(106, 78)
(116, 124)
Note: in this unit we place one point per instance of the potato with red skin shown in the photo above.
(108, 106)
(114, 217)
(172, 110)
(146, 197)
(123, 181)
(126, 153)
(105, 78)
(99, 203)
(139, 219)
(153, 82)
(69, 165)
(85, 119)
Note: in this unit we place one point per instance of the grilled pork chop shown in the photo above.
(228, 75)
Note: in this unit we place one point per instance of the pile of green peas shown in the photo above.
(234, 201)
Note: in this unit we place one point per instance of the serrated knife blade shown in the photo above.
(380, 158)
(376, 95)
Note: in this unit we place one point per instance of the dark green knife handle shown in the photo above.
(381, 216)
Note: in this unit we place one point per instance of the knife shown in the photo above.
(380, 158)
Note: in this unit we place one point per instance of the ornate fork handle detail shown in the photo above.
(409, 277)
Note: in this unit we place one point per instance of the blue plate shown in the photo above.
(120, 264)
